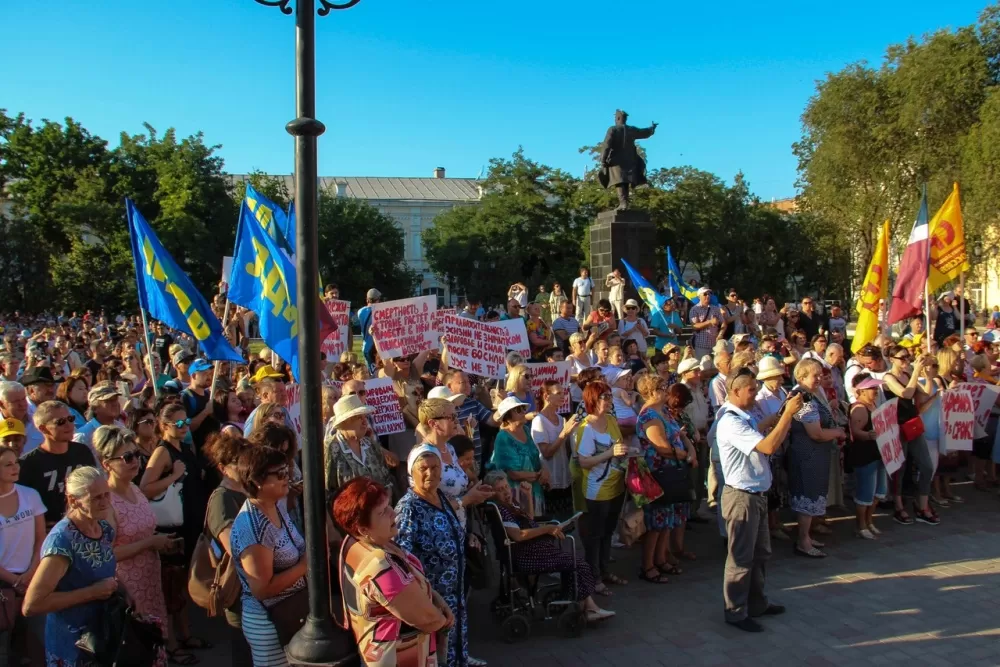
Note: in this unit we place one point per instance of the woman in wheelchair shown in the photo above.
(536, 549)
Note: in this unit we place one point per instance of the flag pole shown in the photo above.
(149, 352)
(961, 284)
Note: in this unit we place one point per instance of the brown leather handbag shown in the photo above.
(213, 583)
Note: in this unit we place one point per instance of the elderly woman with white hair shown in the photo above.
(813, 434)
(429, 528)
(77, 570)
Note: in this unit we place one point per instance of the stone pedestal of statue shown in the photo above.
(628, 235)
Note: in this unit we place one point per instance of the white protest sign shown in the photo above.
(558, 371)
(885, 421)
(437, 320)
(386, 416)
(984, 396)
(517, 336)
(476, 347)
(403, 327)
(336, 343)
(958, 421)
(293, 406)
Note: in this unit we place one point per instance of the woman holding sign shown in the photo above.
(862, 454)
(902, 381)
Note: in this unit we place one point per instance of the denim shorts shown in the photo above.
(870, 482)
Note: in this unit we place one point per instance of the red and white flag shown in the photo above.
(908, 293)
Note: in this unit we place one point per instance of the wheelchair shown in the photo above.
(522, 597)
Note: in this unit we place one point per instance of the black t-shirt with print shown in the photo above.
(161, 345)
(46, 473)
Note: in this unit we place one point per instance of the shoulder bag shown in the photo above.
(289, 615)
(213, 583)
(8, 608)
(169, 507)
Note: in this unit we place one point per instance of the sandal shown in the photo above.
(657, 578)
(196, 643)
(614, 579)
(900, 516)
(820, 529)
(180, 656)
(812, 552)
(688, 555)
(604, 591)
(669, 568)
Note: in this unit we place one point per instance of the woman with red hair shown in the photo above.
(599, 479)
(393, 611)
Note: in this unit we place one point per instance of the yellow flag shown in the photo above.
(948, 256)
(874, 289)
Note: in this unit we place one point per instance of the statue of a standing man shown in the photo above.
(621, 164)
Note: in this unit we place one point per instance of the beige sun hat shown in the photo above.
(347, 408)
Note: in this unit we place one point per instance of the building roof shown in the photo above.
(789, 205)
(393, 188)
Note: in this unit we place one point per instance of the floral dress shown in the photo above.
(90, 561)
(510, 455)
(140, 574)
(809, 460)
(436, 537)
(661, 516)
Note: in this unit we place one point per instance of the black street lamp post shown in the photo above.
(319, 642)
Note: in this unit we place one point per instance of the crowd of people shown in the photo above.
(124, 457)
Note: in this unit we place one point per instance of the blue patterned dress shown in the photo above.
(90, 561)
(809, 460)
(435, 536)
(661, 516)
(250, 528)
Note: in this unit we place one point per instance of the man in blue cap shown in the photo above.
(197, 400)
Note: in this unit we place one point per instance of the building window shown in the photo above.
(416, 246)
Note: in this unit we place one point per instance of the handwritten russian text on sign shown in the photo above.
(336, 343)
(479, 348)
(984, 396)
(958, 417)
(404, 327)
(386, 416)
(517, 336)
(437, 320)
(885, 421)
(558, 371)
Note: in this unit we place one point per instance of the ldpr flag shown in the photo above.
(650, 296)
(874, 289)
(948, 255)
(168, 295)
(908, 293)
(678, 285)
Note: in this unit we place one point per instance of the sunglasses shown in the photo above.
(61, 421)
(359, 392)
(603, 311)
(181, 423)
(631, 308)
(733, 295)
(143, 422)
(281, 473)
(972, 333)
(128, 457)
(605, 397)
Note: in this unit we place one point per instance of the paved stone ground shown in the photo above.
(919, 595)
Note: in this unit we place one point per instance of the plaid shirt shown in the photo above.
(705, 338)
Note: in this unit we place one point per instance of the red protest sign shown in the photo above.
(404, 327)
(293, 405)
(437, 319)
(336, 343)
(479, 348)
(386, 416)
(958, 419)
(984, 396)
(885, 421)
(558, 371)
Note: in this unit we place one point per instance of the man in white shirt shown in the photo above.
(717, 387)
(14, 405)
(583, 291)
(743, 453)
(866, 359)
(616, 291)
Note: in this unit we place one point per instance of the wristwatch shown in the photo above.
(461, 505)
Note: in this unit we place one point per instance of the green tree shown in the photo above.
(524, 229)
(361, 248)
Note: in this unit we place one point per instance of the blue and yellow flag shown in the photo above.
(647, 293)
(279, 224)
(167, 294)
(677, 284)
(264, 281)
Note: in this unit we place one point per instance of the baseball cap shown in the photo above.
(11, 426)
(199, 365)
(374, 294)
(447, 394)
(631, 303)
(181, 356)
(688, 365)
(102, 391)
(704, 290)
(266, 372)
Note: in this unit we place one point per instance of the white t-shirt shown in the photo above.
(17, 533)
(544, 431)
(631, 330)
(583, 286)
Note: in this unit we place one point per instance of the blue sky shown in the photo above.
(408, 85)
